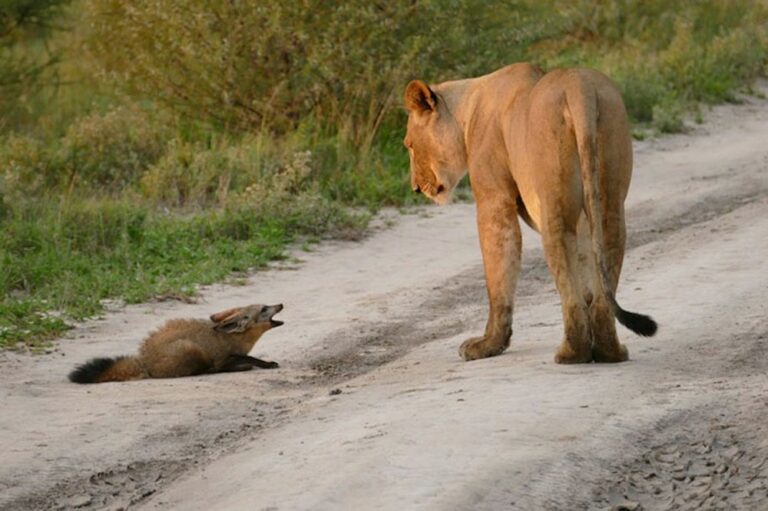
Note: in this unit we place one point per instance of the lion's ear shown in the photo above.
(419, 97)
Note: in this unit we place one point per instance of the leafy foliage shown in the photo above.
(107, 151)
(665, 59)
(255, 65)
(21, 20)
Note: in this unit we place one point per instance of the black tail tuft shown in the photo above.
(91, 370)
(638, 323)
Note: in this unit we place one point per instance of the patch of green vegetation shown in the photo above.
(131, 173)
(665, 59)
(28, 322)
(69, 257)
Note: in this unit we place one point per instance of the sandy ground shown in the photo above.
(372, 407)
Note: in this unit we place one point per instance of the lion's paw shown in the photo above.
(481, 347)
(566, 354)
(615, 353)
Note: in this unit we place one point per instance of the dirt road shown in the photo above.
(372, 407)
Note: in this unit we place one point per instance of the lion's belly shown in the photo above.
(530, 210)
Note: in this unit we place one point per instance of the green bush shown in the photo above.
(105, 152)
(270, 65)
(187, 174)
(112, 149)
(250, 65)
(333, 73)
(664, 59)
(23, 66)
(27, 168)
(191, 174)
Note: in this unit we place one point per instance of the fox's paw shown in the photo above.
(270, 365)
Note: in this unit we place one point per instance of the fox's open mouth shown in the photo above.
(272, 321)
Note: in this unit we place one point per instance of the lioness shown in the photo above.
(556, 150)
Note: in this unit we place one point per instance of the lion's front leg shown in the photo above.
(501, 243)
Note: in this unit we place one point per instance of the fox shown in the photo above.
(188, 347)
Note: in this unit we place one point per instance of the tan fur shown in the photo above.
(554, 149)
(185, 347)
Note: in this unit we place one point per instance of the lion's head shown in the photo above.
(435, 143)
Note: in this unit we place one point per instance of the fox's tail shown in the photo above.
(100, 370)
(585, 120)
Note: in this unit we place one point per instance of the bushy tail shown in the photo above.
(584, 112)
(638, 323)
(100, 370)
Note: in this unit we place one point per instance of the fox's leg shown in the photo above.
(253, 361)
(264, 364)
(234, 364)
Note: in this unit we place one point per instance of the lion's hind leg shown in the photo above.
(606, 346)
(561, 249)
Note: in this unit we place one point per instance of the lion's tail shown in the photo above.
(584, 113)
(100, 370)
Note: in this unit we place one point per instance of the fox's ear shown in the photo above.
(419, 97)
(220, 316)
(230, 321)
(234, 324)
